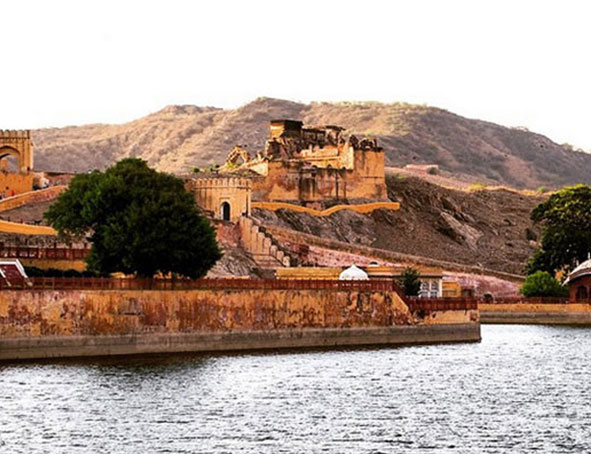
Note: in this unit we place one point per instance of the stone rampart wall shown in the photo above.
(80, 312)
(41, 195)
(15, 183)
(50, 323)
(543, 314)
(260, 245)
(358, 208)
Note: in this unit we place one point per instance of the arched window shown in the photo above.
(225, 211)
(581, 293)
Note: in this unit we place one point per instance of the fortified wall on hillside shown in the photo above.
(298, 165)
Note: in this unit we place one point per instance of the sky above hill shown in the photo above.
(516, 63)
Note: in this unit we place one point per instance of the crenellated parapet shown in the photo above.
(15, 133)
(221, 182)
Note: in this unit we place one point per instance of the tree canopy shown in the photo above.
(138, 220)
(410, 281)
(542, 283)
(566, 233)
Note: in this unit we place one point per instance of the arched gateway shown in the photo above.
(18, 145)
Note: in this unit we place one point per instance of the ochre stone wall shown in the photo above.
(19, 145)
(540, 314)
(358, 208)
(543, 308)
(12, 184)
(50, 313)
(45, 264)
(261, 245)
(26, 229)
(212, 194)
(291, 181)
(40, 195)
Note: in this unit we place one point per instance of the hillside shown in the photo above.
(178, 138)
(488, 228)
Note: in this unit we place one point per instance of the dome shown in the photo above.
(353, 274)
(583, 269)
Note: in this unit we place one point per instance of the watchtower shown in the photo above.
(19, 145)
(225, 197)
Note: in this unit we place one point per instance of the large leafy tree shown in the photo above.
(542, 283)
(138, 220)
(566, 233)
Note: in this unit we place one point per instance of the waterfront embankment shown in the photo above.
(536, 313)
(69, 323)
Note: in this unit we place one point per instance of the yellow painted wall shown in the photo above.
(25, 229)
(452, 289)
(41, 195)
(45, 264)
(359, 208)
(15, 182)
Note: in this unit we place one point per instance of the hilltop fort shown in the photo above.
(300, 165)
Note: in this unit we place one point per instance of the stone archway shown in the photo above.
(17, 144)
(9, 160)
(225, 211)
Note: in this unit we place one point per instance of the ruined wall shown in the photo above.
(295, 181)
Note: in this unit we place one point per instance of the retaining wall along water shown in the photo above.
(65, 323)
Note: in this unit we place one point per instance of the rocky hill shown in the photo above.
(178, 138)
(487, 228)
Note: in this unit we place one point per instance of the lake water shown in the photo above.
(523, 389)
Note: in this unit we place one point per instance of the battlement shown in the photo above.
(221, 182)
(15, 134)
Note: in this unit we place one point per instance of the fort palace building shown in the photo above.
(300, 165)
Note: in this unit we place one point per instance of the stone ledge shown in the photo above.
(46, 347)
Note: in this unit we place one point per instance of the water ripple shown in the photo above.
(523, 389)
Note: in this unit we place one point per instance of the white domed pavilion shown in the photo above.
(353, 273)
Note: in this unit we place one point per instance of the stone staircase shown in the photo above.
(260, 244)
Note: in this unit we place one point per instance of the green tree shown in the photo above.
(542, 283)
(138, 220)
(566, 232)
(410, 281)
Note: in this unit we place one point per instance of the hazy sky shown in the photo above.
(515, 63)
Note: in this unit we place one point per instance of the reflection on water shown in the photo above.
(524, 388)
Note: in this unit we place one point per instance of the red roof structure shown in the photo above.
(12, 273)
